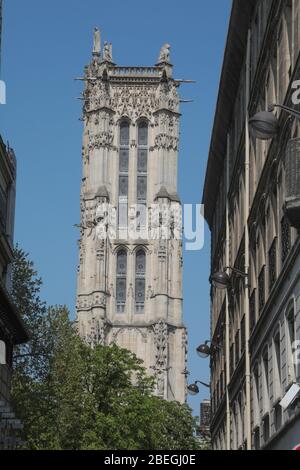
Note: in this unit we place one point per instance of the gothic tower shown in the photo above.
(130, 271)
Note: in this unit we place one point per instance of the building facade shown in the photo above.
(12, 330)
(205, 418)
(130, 270)
(251, 199)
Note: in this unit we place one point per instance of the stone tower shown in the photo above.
(130, 271)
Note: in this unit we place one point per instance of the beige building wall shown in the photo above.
(274, 241)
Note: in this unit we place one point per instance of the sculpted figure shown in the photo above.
(107, 52)
(97, 42)
(164, 55)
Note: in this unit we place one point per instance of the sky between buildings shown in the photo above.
(45, 46)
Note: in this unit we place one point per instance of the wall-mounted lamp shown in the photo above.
(205, 350)
(265, 125)
(222, 280)
(193, 389)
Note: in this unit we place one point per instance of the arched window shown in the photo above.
(140, 281)
(123, 173)
(142, 168)
(121, 281)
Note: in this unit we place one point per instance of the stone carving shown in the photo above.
(150, 293)
(129, 328)
(97, 333)
(100, 250)
(130, 291)
(164, 56)
(97, 42)
(161, 343)
(162, 251)
(90, 301)
(168, 96)
(160, 383)
(134, 102)
(161, 356)
(111, 290)
(166, 142)
(107, 52)
(101, 140)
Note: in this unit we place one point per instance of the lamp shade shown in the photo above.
(204, 350)
(264, 125)
(193, 389)
(220, 280)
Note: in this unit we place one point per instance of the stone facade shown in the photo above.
(130, 288)
(12, 330)
(269, 31)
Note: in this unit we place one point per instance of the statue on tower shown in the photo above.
(164, 56)
(107, 52)
(97, 42)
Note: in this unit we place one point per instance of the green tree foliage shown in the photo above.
(70, 396)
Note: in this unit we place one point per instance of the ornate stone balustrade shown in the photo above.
(135, 72)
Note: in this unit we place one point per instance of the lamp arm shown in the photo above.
(202, 383)
(291, 111)
(214, 345)
(238, 271)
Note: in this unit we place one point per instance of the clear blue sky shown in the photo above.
(45, 45)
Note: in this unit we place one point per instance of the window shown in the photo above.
(266, 428)
(243, 334)
(252, 310)
(285, 239)
(256, 439)
(232, 365)
(256, 411)
(277, 417)
(277, 365)
(140, 281)
(272, 265)
(291, 336)
(261, 290)
(121, 281)
(266, 382)
(142, 168)
(237, 348)
(123, 174)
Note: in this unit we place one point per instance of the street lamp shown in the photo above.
(204, 350)
(222, 280)
(193, 389)
(265, 125)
